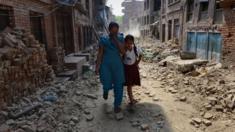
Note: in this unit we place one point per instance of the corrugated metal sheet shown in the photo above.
(214, 51)
(206, 45)
(191, 42)
(202, 45)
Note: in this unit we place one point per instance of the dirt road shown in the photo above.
(156, 111)
(79, 107)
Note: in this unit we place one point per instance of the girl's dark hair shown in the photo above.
(129, 37)
(113, 24)
(132, 38)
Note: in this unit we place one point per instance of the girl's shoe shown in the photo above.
(133, 102)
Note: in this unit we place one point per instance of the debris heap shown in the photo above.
(23, 65)
(56, 57)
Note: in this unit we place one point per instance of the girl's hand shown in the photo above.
(137, 63)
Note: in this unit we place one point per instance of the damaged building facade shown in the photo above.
(133, 9)
(200, 26)
(228, 31)
(149, 19)
(202, 23)
(170, 19)
(102, 16)
(35, 38)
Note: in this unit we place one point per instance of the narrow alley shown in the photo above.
(49, 52)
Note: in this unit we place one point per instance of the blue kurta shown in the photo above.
(112, 69)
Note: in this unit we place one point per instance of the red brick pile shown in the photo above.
(23, 65)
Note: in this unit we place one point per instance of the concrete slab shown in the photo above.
(75, 63)
(184, 66)
(73, 59)
(61, 79)
(191, 62)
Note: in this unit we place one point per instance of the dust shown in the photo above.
(134, 29)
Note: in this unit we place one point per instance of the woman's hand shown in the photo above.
(97, 69)
(118, 44)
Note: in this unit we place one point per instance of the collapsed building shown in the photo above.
(208, 28)
(149, 19)
(204, 27)
(41, 37)
(170, 20)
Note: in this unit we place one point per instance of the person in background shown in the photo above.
(132, 58)
(110, 66)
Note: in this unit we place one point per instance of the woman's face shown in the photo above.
(129, 44)
(114, 30)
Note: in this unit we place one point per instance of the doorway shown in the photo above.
(38, 27)
(6, 19)
(64, 30)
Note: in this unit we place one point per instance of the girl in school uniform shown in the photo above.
(131, 60)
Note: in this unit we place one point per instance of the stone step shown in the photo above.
(61, 79)
(71, 74)
(86, 55)
(75, 63)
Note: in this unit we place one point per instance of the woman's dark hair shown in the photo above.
(129, 37)
(113, 24)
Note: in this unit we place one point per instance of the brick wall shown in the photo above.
(21, 79)
(21, 9)
(228, 32)
(23, 65)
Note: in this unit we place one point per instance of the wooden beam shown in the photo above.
(227, 3)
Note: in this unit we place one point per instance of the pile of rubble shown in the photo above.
(210, 86)
(157, 51)
(210, 80)
(56, 57)
(58, 107)
(23, 65)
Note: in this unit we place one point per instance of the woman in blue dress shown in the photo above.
(110, 66)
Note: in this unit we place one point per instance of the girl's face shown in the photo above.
(129, 44)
